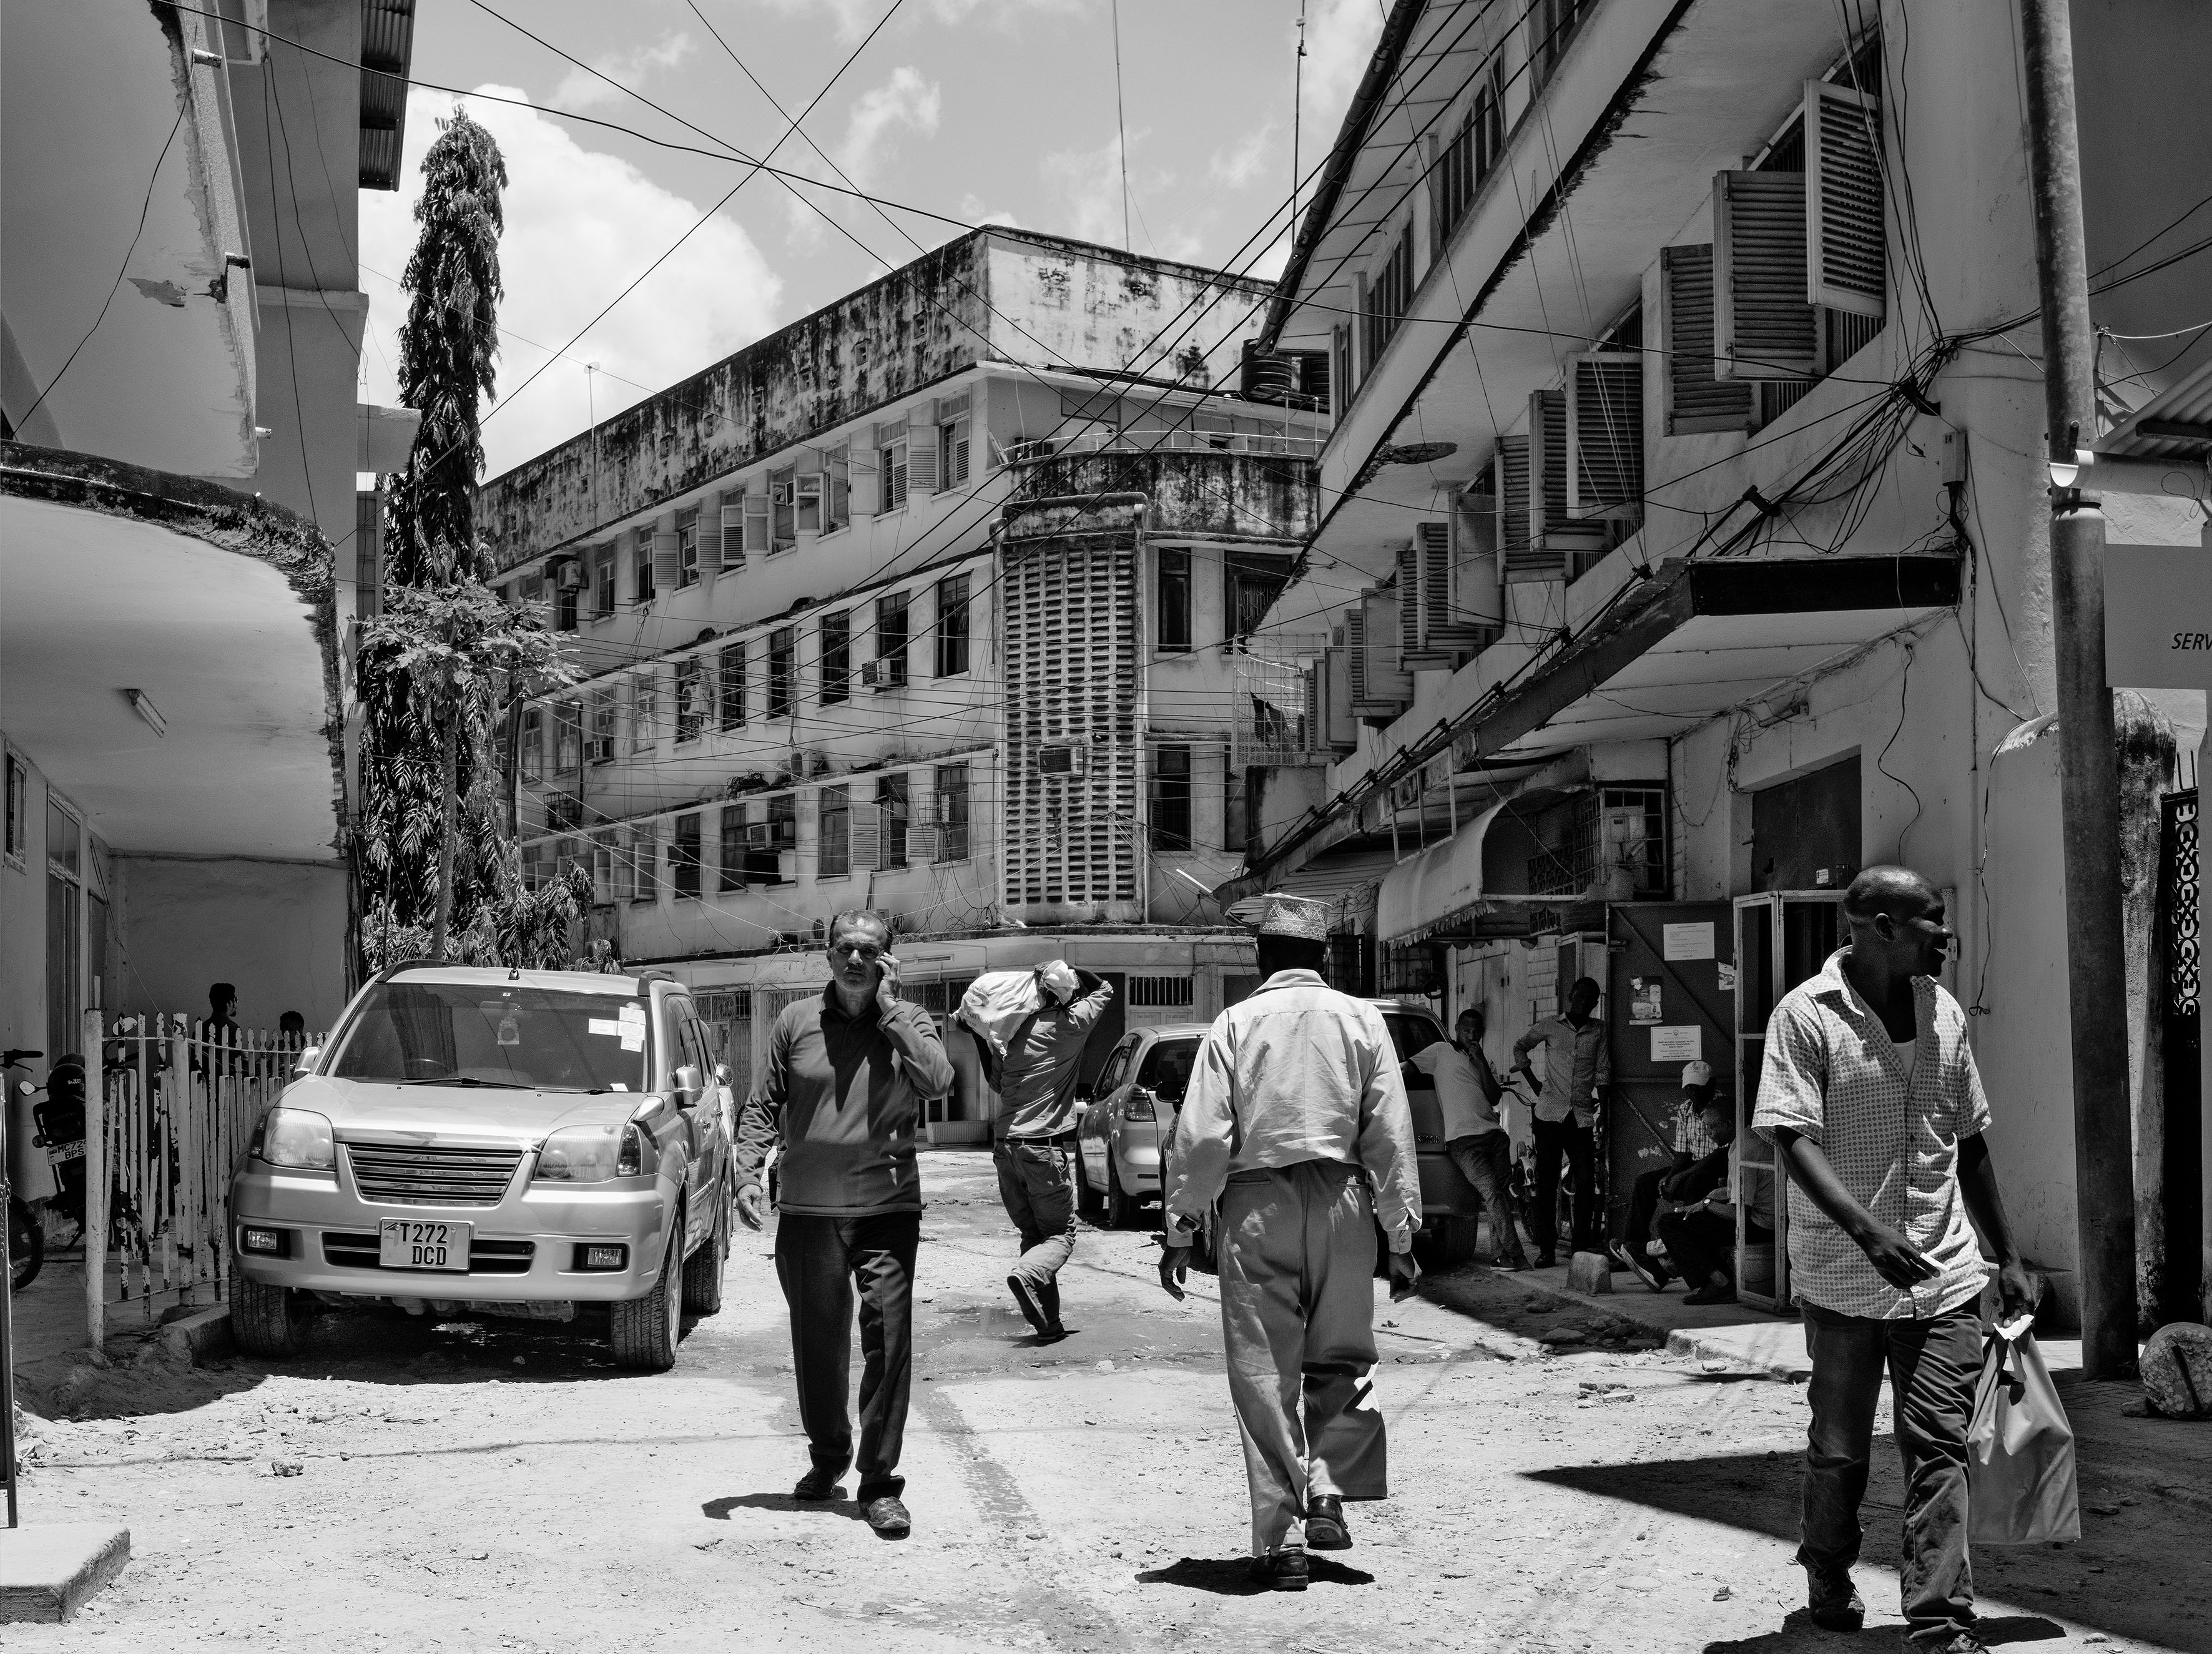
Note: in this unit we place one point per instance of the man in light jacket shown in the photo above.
(1296, 1121)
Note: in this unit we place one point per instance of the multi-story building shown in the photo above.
(1690, 459)
(940, 601)
(181, 326)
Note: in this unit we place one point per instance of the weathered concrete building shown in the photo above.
(1689, 459)
(943, 600)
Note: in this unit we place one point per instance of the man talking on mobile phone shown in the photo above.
(1296, 1121)
(847, 1073)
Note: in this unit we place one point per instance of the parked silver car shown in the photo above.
(1130, 1117)
(492, 1142)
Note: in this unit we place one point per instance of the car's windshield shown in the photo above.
(472, 1034)
(1410, 1033)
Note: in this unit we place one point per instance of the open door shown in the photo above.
(1666, 1004)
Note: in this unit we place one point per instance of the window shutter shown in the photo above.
(1763, 327)
(1355, 638)
(667, 562)
(1409, 603)
(865, 833)
(866, 500)
(1446, 623)
(1389, 685)
(1605, 433)
(921, 824)
(922, 450)
(1696, 401)
(759, 524)
(733, 535)
(1516, 550)
(1844, 240)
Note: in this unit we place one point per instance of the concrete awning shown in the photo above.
(216, 608)
(1443, 880)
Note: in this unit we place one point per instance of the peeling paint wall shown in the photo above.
(1248, 496)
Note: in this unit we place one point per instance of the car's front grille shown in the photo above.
(408, 1175)
(486, 1257)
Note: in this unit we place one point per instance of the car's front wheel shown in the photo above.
(702, 1270)
(645, 1329)
(261, 1319)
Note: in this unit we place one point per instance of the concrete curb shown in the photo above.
(192, 1338)
(1706, 1344)
(46, 1572)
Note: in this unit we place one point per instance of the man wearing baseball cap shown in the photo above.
(1295, 1120)
(1693, 1142)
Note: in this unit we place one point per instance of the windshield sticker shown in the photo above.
(606, 1025)
(633, 1027)
(510, 1031)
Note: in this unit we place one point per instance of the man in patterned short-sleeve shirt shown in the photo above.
(1869, 1091)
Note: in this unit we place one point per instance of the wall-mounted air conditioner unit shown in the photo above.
(759, 833)
(871, 674)
(569, 574)
(600, 749)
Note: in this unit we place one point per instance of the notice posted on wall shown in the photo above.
(1687, 941)
(1644, 1000)
(1678, 1042)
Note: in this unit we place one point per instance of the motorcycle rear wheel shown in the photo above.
(26, 1245)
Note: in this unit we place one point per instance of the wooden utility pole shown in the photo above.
(2104, 1187)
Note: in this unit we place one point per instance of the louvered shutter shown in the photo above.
(865, 834)
(1605, 433)
(1516, 550)
(1547, 465)
(867, 501)
(667, 562)
(1445, 626)
(602, 874)
(1355, 638)
(1844, 245)
(1387, 684)
(733, 535)
(1409, 603)
(1696, 401)
(1312, 735)
(922, 450)
(1474, 587)
(1763, 326)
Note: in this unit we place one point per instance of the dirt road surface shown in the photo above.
(411, 1485)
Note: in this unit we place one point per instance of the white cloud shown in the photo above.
(973, 209)
(904, 100)
(1088, 182)
(580, 89)
(580, 226)
(854, 18)
(1341, 39)
(1253, 152)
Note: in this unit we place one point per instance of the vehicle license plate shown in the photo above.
(408, 1244)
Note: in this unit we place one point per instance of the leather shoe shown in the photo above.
(1832, 1603)
(1326, 1529)
(888, 1518)
(1954, 1642)
(1280, 1570)
(818, 1484)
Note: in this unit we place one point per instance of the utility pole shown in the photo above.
(2104, 1186)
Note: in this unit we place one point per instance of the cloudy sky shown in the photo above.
(972, 109)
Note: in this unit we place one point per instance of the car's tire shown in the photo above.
(1121, 1205)
(702, 1270)
(644, 1329)
(1447, 1242)
(261, 1319)
(1088, 1201)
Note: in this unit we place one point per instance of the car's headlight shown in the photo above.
(294, 1137)
(591, 1154)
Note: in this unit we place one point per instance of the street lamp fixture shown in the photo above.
(141, 704)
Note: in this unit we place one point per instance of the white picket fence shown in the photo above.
(173, 1114)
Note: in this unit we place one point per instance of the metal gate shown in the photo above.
(2180, 991)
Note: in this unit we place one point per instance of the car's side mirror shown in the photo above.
(687, 1086)
(308, 1058)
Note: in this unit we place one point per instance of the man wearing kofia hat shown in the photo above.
(1295, 1121)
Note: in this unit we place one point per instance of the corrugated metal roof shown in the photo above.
(2175, 424)
(387, 52)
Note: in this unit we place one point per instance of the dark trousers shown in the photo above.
(820, 1261)
(1033, 1187)
(1555, 1139)
(1932, 1366)
(1703, 1243)
(1486, 1162)
(1643, 1204)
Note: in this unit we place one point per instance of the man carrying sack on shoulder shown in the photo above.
(1869, 1091)
(1295, 1120)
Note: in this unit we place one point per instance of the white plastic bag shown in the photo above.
(2020, 1488)
(997, 1003)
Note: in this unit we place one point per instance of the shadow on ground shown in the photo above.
(1798, 1632)
(1232, 1576)
(719, 1508)
(2138, 1573)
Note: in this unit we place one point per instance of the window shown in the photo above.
(1174, 601)
(1158, 992)
(687, 547)
(533, 744)
(602, 744)
(566, 601)
(833, 853)
(730, 679)
(952, 453)
(1468, 157)
(603, 580)
(1551, 24)
(952, 625)
(1171, 797)
(836, 657)
(952, 812)
(891, 470)
(891, 639)
(683, 856)
(810, 503)
(732, 835)
(891, 814)
(644, 711)
(836, 490)
(645, 863)
(1389, 294)
(783, 502)
(779, 650)
(19, 794)
(691, 698)
(782, 835)
(1251, 583)
(641, 572)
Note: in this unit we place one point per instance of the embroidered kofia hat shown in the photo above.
(1293, 915)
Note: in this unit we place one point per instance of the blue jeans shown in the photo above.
(820, 1261)
(1932, 1365)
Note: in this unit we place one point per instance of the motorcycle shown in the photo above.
(26, 1235)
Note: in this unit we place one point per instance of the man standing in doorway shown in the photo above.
(1577, 1067)
(847, 1073)
(1467, 1094)
(1295, 1120)
(1036, 1083)
(1870, 1092)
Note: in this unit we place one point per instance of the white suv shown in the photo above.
(490, 1141)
